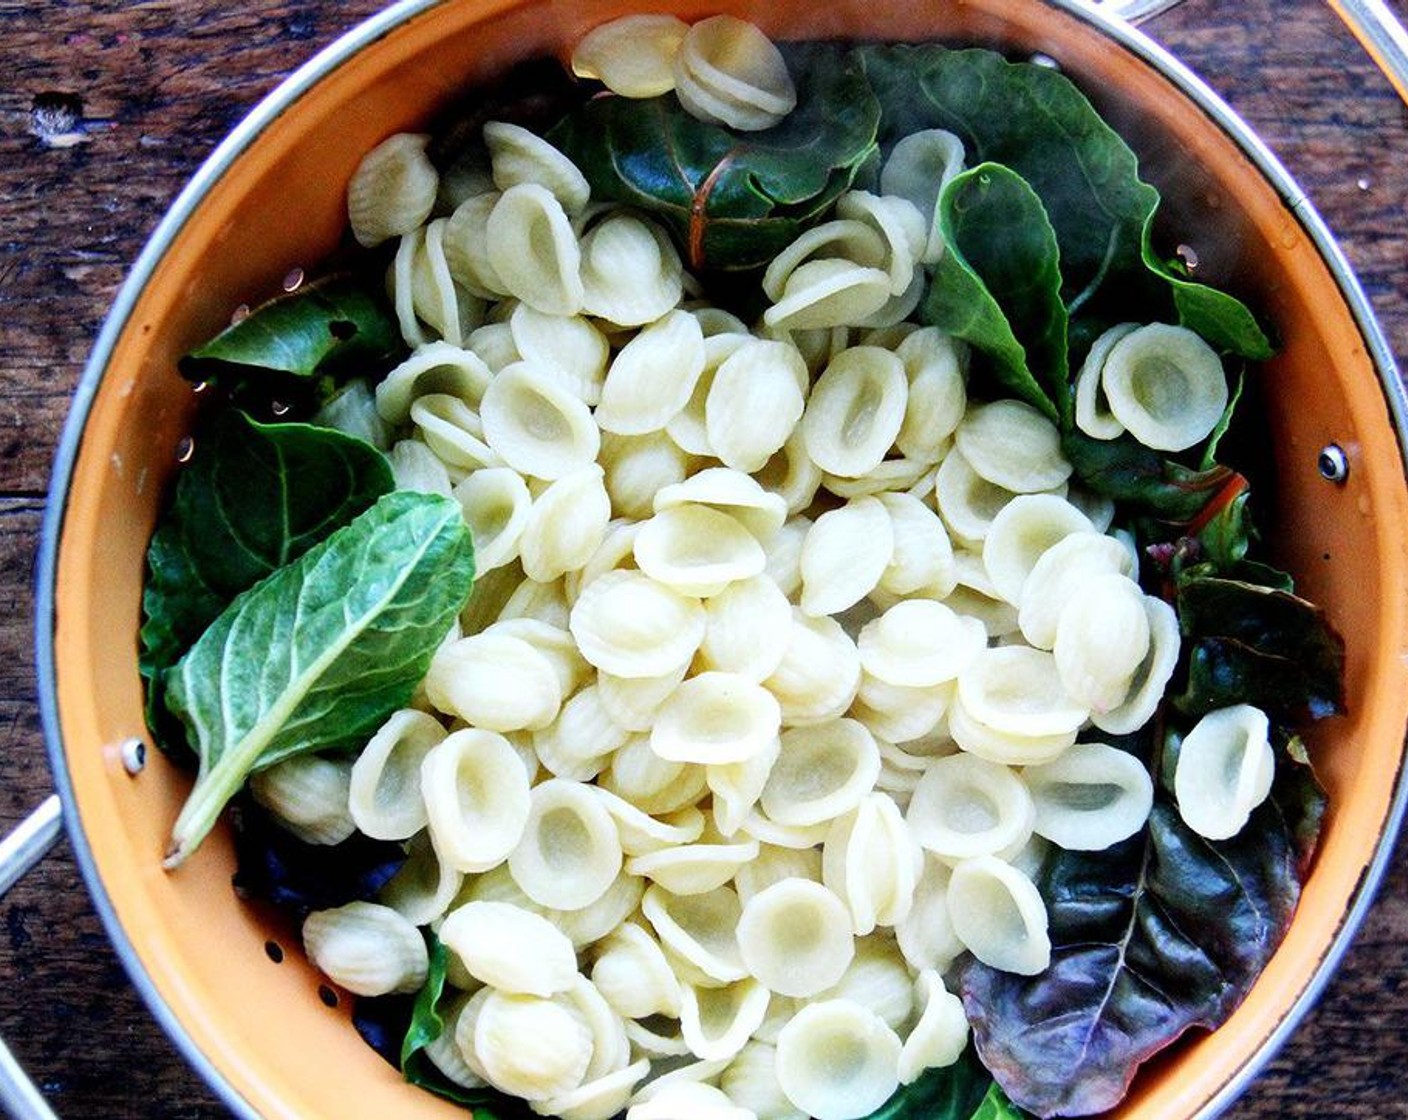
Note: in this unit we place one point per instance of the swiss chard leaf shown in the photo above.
(1224, 321)
(283, 347)
(733, 200)
(998, 287)
(1035, 121)
(235, 518)
(1162, 933)
(318, 654)
(1142, 479)
(1254, 644)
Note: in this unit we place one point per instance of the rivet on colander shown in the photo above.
(1332, 463)
(134, 755)
(1046, 60)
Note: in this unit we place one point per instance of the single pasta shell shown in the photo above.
(697, 550)
(436, 367)
(637, 398)
(716, 718)
(632, 56)
(1224, 770)
(476, 797)
(967, 806)
(630, 625)
(1102, 637)
(851, 240)
(1093, 415)
(535, 425)
(1018, 690)
(755, 400)
(367, 948)
(844, 556)
(1090, 798)
(510, 948)
(569, 348)
(829, 292)
(518, 155)
(393, 189)
(919, 643)
(822, 772)
(1012, 445)
(631, 272)
(739, 495)
(999, 915)
(466, 247)
(918, 168)
(855, 411)
(532, 248)
(1166, 386)
(693, 868)
(837, 1060)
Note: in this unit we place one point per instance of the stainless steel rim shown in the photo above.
(283, 98)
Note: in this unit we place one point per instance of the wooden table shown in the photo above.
(154, 86)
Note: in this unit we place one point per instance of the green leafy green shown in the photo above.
(1142, 479)
(732, 200)
(253, 497)
(1035, 121)
(951, 1093)
(318, 654)
(998, 286)
(997, 1106)
(292, 348)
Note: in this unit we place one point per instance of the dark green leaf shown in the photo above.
(952, 1093)
(1142, 479)
(997, 1106)
(1035, 121)
(1226, 535)
(234, 519)
(317, 655)
(1225, 322)
(1258, 645)
(1164, 932)
(330, 324)
(998, 286)
(427, 1024)
(732, 200)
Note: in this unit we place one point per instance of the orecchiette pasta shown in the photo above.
(393, 189)
(1224, 770)
(966, 806)
(837, 1060)
(512, 949)
(633, 56)
(1165, 385)
(795, 937)
(999, 915)
(855, 411)
(570, 852)
(383, 794)
(366, 948)
(1091, 797)
(476, 798)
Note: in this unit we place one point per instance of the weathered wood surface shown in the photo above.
(157, 84)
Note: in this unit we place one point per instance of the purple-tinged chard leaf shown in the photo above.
(1162, 933)
(1127, 471)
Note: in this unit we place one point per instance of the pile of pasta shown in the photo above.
(784, 661)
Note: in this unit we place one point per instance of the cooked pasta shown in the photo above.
(795, 937)
(1093, 415)
(844, 555)
(855, 411)
(1165, 385)
(633, 55)
(819, 673)
(631, 273)
(1020, 533)
(716, 1022)
(531, 246)
(999, 915)
(495, 681)
(746, 628)
(940, 1036)
(510, 948)
(700, 929)
(566, 524)
(919, 643)
(1102, 637)
(727, 70)
(367, 948)
(697, 550)
(1091, 797)
(383, 792)
(476, 798)
(436, 367)
(633, 975)
(871, 861)
(517, 155)
(535, 425)
(918, 168)
(531, 1047)
(496, 503)
(837, 1060)
(967, 806)
(570, 349)
(755, 400)
(751, 1083)
(693, 868)
(823, 771)
(636, 398)
(570, 852)
(1224, 770)
(392, 190)
(1012, 445)
(308, 795)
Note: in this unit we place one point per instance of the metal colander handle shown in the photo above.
(1372, 22)
(20, 851)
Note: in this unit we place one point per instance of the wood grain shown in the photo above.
(157, 85)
